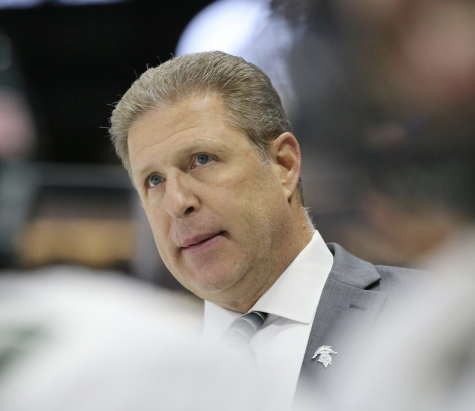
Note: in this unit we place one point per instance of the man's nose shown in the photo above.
(180, 198)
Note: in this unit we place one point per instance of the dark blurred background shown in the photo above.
(78, 60)
(63, 64)
(64, 196)
(342, 72)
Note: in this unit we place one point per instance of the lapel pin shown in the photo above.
(324, 355)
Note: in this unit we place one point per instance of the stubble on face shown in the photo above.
(254, 235)
(271, 226)
(240, 194)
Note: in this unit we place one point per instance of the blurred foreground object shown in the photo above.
(17, 133)
(388, 88)
(402, 109)
(72, 339)
(17, 142)
(424, 358)
(417, 62)
(417, 55)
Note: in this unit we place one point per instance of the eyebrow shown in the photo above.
(217, 146)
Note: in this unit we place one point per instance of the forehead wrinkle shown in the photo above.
(205, 140)
(165, 139)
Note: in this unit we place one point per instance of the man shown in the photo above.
(209, 149)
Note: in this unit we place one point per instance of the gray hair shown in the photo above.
(252, 104)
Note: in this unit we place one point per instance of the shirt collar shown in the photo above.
(294, 295)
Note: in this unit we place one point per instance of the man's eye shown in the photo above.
(202, 159)
(154, 180)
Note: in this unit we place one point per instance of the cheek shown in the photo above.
(245, 183)
(161, 237)
(158, 224)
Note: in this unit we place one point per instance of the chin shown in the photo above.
(212, 284)
(212, 288)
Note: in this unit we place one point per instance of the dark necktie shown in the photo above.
(241, 331)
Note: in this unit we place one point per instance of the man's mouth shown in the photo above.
(200, 241)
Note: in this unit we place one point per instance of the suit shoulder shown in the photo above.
(359, 273)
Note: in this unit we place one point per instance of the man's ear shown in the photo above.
(287, 159)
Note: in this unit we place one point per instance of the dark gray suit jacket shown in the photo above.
(352, 299)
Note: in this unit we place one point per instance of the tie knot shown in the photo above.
(242, 330)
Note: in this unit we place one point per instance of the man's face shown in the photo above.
(218, 212)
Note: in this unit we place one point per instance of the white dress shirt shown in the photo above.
(291, 303)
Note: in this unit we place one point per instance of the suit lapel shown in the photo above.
(346, 312)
